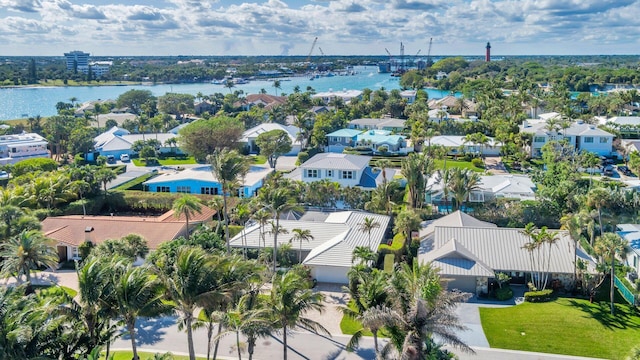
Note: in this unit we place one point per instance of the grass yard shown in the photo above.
(128, 355)
(564, 326)
(457, 164)
(168, 161)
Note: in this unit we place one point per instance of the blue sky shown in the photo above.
(343, 27)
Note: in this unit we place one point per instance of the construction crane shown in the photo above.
(418, 53)
(321, 52)
(429, 63)
(401, 67)
(313, 46)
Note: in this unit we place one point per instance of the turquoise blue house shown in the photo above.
(200, 180)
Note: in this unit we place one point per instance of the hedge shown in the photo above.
(504, 293)
(389, 263)
(396, 248)
(538, 296)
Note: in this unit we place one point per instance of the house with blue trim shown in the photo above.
(379, 141)
(200, 180)
(340, 139)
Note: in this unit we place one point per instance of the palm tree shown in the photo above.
(228, 166)
(277, 85)
(364, 254)
(137, 292)
(290, 299)
(249, 319)
(608, 246)
(191, 284)
(262, 217)
(574, 223)
(278, 200)
(598, 198)
(406, 222)
(217, 204)
(25, 252)
(367, 226)
(187, 205)
(461, 183)
(301, 235)
(415, 168)
(104, 176)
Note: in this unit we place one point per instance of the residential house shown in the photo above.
(452, 104)
(204, 106)
(458, 146)
(631, 234)
(438, 115)
(628, 126)
(266, 101)
(346, 169)
(14, 148)
(200, 180)
(69, 232)
(329, 252)
(409, 96)
(345, 95)
(580, 135)
(249, 137)
(389, 124)
(498, 186)
(373, 139)
(117, 141)
(469, 253)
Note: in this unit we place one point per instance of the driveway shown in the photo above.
(494, 165)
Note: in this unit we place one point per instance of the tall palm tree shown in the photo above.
(461, 183)
(608, 246)
(406, 222)
(289, 301)
(364, 254)
(25, 252)
(228, 166)
(278, 200)
(574, 224)
(104, 176)
(187, 205)
(301, 235)
(598, 198)
(277, 85)
(248, 319)
(137, 292)
(262, 217)
(415, 168)
(193, 283)
(367, 225)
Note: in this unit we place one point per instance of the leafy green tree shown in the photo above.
(135, 100)
(228, 167)
(130, 247)
(204, 137)
(187, 205)
(273, 144)
(170, 102)
(406, 222)
(289, 301)
(26, 252)
(608, 246)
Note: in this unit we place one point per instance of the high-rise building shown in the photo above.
(77, 60)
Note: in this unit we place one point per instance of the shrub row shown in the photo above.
(504, 293)
(538, 296)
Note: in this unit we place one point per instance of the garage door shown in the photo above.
(330, 274)
(463, 283)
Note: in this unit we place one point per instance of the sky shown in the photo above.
(343, 27)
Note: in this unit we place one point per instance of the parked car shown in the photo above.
(124, 157)
(625, 170)
(111, 159)
(608, 170)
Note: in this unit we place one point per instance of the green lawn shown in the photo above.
(457, 164)
(564, 326)
(168, 161)
(259, 159)
(128, 355)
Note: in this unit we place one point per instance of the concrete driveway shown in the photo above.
(494, 165)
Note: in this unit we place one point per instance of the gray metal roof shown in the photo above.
(502, 248)
(337, 162)
(455, 219)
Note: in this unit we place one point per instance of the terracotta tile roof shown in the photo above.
(206, 214)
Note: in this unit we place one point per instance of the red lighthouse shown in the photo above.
(487, 56)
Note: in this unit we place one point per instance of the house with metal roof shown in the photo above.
(329, 253)
(69, 232)
(497, 186)
(200, 180)
(379, 141)
(456, 145)
(469, 253)
(117, 141)
(340, 139)
(580, 135)
(631, 234)
(249, 137)
(346, 169)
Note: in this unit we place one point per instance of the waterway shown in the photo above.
(25, 102)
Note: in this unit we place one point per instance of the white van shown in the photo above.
(124, 157)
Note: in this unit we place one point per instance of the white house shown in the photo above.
(14, 148)
(457, 145)
(117, 141)
(631, 234)
(345, 95)
(498, 186)
(249, 136)
(376, 140)
(335, 236)
(200, 180)
(627, 125)
(346, 169)
(580, 135)
(470, 252)
(390, 124)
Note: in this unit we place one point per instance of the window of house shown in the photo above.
(75, 253)
(209, 190)
(311, 173)
(538, 139)
(604, 140)
(329, 173)
(162, 189)
(346, 174)
(588, 139)
(184, 189)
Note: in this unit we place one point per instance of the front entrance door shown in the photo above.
(62, 253)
